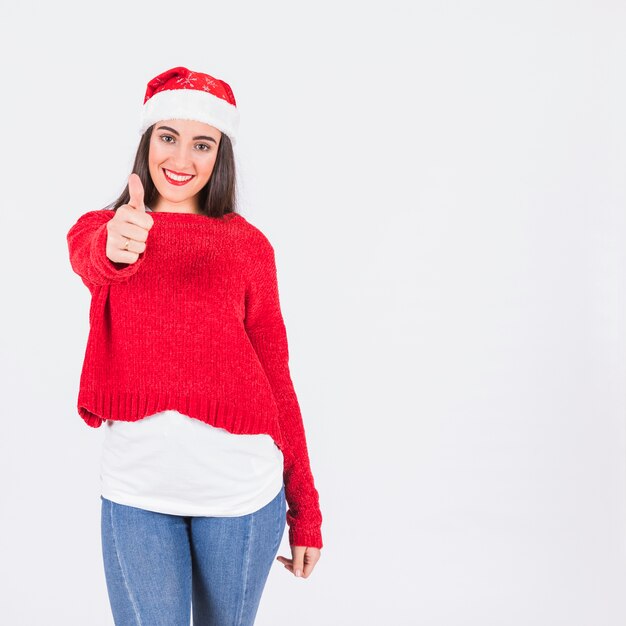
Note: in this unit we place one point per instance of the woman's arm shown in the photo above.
(266, 330)
(87, 240)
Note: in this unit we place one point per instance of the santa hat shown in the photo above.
(182, 94)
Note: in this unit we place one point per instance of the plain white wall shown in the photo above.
(444, 184)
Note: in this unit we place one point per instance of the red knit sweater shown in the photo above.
(194, 325)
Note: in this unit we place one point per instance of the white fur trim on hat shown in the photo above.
(191, 104)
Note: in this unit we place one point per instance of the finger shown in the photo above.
(130, 230)
(135, 189)
(297, 552)
(287, 563)
(131, 245)
(308, 567)
(127, 256)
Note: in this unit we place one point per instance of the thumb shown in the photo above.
(135, 189)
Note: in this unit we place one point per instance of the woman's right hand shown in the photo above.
(130, 222)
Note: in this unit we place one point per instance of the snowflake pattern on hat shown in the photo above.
(182, 78)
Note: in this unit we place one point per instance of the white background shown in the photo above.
(444, 184)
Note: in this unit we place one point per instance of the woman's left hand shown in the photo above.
(303, 561)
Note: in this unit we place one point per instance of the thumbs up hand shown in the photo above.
(127, 230)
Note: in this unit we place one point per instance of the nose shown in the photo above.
(180, 160)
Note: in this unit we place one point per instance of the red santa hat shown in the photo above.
(182, 94)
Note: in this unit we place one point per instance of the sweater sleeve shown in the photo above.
(266, 329)
(86, 241)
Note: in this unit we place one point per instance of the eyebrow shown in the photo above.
(177, 133)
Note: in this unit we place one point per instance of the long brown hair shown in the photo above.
(217, 197)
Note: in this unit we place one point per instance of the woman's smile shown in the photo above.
(176, 178)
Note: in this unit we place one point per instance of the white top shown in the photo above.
(171, 463)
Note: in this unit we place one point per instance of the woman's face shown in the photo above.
(181, 158)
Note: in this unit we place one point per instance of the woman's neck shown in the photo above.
(161, 205)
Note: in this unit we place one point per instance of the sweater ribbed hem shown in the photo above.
(96, 406)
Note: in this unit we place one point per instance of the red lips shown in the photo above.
(172, 181)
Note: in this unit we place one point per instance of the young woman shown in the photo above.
(204, 460)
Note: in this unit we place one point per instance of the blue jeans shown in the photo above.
(160, 567)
